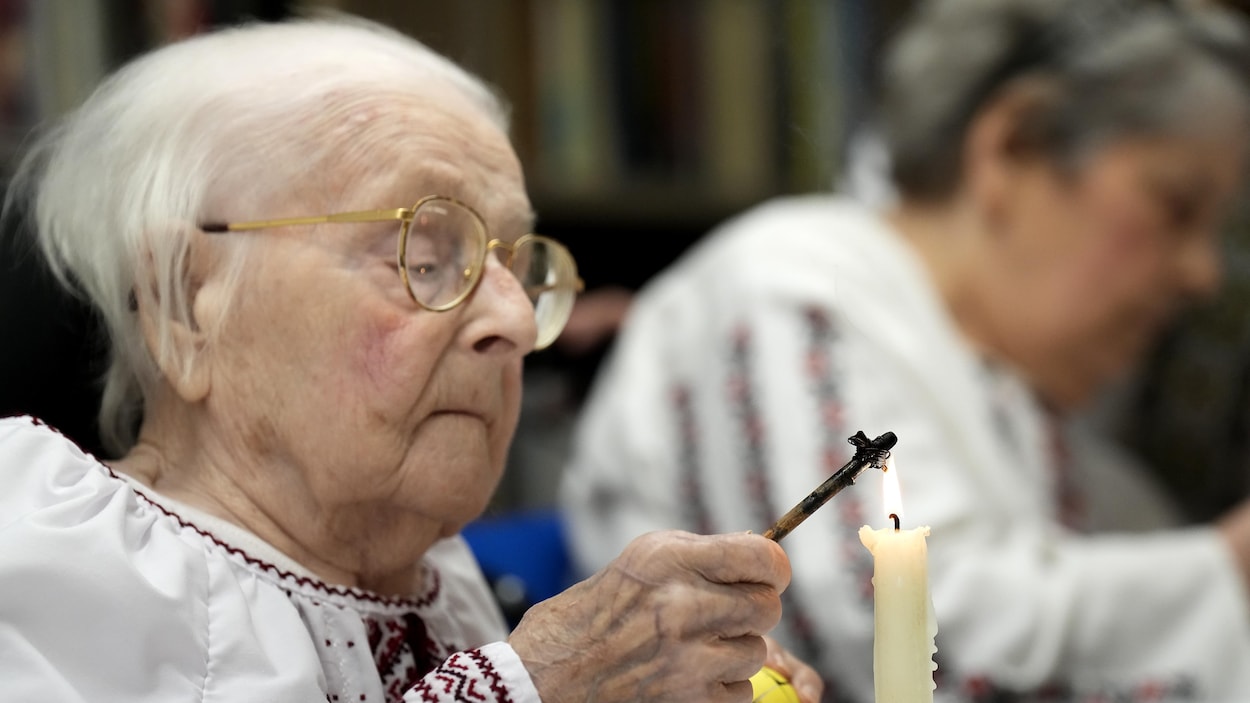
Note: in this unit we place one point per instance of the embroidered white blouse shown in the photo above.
(730, 394)
(109, 592)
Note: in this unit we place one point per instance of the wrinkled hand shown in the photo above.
(806, 682)
(676, 617)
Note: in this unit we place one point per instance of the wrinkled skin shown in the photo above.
(676, 617)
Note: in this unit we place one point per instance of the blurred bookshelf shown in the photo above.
(657, 119)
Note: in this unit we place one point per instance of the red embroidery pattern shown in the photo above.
(831, 425)
(425, 599)
(1070, 503)
(698, 518)
(835, 453)
(465, 676)
(403, 652)
(421, 601)
(751, 427)
(759, 488)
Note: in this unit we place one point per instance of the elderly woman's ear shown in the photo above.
(1005, 136)
(181, 318)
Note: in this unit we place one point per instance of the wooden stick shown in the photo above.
(867, 453)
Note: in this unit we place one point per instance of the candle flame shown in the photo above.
(893, 496)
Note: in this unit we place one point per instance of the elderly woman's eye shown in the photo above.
(1180, 206)
(431, 270)
(1182, 211)
(426, 270)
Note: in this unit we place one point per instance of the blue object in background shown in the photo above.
(524, 557)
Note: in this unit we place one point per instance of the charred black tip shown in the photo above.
(885, 442)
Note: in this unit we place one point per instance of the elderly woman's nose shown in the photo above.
(501, 314)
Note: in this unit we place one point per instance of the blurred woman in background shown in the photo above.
(1062, 170)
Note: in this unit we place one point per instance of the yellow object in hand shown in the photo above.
(769, 686)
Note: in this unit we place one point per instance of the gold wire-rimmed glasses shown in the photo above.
(441, 253)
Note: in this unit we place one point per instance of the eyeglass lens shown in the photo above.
(445, 245)
(547, 273)
(444, 253)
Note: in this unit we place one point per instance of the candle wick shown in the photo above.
(894, 517)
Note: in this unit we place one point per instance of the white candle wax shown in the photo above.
(904, 624)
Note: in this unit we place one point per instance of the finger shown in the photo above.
(721, 610)
(735, 692)
(636, 592)
(806, 682)
(780, 659)
(734, 659)
(696, 672)
(738, 558)
(777, 657)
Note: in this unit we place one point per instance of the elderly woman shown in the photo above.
(309, 245)
(1062, 170)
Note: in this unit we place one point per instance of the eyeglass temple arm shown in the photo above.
(401, 213)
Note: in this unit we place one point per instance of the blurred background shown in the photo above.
(642, 124)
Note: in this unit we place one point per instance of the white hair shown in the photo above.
(116, 190)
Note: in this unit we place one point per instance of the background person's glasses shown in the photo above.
(442, 251)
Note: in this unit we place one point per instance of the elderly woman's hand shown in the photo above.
(676, 617)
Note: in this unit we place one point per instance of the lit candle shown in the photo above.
(903, 645)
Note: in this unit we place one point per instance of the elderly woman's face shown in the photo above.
(1094, 264)
(379, 411)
